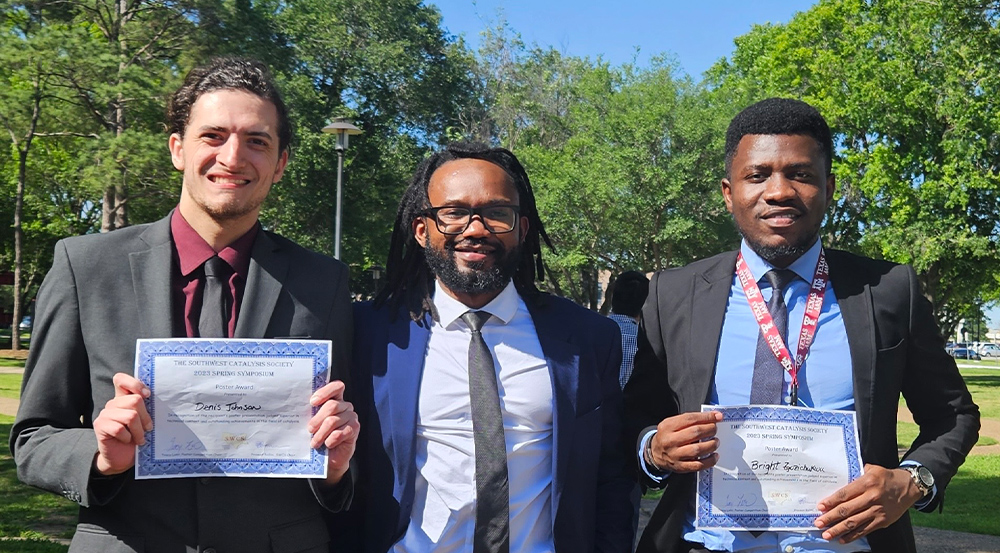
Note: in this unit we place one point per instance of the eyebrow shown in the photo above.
(263, 134)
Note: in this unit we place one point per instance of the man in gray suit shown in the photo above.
(82, 413)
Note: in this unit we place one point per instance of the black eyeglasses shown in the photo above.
(452, 220)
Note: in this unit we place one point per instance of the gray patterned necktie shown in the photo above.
(492, 491)
(768, 374)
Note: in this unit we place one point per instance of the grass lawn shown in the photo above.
(29, 513)
(972, 499)
(6, 362)
(10, 386)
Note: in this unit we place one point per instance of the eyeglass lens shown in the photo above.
(454, 220)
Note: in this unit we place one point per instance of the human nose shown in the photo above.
(477, 226)
(229, 153)
(779, 188)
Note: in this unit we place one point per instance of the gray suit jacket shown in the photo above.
(104, 292)
(895, 346)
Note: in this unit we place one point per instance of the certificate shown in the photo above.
(775, 464)
(231, 407)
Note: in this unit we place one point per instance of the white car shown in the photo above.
(989, 350)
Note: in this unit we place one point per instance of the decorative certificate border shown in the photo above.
(844, 420)
(147, 351)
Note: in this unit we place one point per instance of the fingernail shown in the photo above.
(145, 392)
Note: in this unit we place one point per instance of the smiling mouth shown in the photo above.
(232, 181)
(781, 219)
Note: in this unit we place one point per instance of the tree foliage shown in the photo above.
(909, 88)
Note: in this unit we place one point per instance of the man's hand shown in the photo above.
(336, 426)
(121, 426)
(686, 442)
(874, 501)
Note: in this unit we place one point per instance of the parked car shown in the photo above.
(989, 350)
(25, 323)
(965, 353)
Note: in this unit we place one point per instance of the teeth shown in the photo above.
(223, 180)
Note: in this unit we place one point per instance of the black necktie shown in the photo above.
(214, 319)
(768, 374)
(492, 493)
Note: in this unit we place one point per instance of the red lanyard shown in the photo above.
(809, 320)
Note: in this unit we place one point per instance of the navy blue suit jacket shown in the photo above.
(591, 507)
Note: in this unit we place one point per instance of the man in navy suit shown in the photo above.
(524, 460)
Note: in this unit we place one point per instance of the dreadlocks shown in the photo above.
(409, 280)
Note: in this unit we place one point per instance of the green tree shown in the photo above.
(909, 89)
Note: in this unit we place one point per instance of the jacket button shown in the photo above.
(205, 481)
(210, 549)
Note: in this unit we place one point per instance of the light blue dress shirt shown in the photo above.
(825, 382)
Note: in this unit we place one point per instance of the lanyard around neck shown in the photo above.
(810, 318)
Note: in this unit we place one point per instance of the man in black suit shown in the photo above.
(876, 338)
(82, 413)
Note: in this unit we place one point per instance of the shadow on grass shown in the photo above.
(26, 512)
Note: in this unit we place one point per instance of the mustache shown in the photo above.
(495, 244)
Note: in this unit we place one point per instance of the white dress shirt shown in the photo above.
(444, 509)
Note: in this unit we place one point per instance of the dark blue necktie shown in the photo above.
(768, 374)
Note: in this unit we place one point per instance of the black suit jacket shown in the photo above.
(104, 292)
(895, 345)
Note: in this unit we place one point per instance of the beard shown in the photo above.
(478, 278)
(780, 254)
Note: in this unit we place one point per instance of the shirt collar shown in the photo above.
(804, 267)
(193, 250)
(449, 310)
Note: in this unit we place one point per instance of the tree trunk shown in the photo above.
(22, 175)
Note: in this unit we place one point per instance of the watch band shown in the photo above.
(647, 455)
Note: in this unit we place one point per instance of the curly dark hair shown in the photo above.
(779, 116)
(409, 280)
(228, 73)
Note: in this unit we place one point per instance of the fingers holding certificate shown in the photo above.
(121, 426)
(685, 442)
(260, 408)
(334, 427)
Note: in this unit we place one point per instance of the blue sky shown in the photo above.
(697, 32)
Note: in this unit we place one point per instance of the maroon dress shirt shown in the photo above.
(188, 280)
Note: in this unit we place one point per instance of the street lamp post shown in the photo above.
(376, 271)
(340, 127)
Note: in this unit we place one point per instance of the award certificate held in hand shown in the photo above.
(231, 407)
(775, 464)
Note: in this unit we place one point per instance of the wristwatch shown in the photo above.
(922, 477)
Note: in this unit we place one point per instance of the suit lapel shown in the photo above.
(268, 269)
(396, 391)
(709, 295)
(563, 359)
(151, 271)
(855, 301)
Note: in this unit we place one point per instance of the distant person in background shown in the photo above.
(627, 298)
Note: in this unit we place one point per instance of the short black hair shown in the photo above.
(408, 278)
(779, 116)
(631, 288)
(228, 73)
